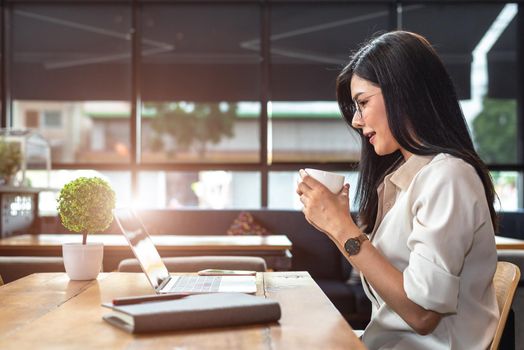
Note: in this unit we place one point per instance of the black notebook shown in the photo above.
(194, 311)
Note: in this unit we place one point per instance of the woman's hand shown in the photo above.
(330, 213)
(324, 210)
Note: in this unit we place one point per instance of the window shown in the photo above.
(120, 182)
(308, 46)
(204, 189)
(506, 185)
(482, 63)
(217, 104)
(201, 83)
(70, 76)
(52, 119)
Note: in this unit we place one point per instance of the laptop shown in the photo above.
(156, 271)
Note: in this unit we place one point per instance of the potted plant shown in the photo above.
(85, 205)
(10, 159)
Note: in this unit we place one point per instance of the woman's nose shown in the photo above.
(357, 122)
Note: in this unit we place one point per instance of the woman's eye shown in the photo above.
(363, 103)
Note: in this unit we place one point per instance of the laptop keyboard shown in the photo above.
(197, 284)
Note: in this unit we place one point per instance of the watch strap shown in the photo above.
(362, 238)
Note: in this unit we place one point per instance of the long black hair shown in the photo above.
(422, 111)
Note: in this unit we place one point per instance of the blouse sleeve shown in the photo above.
(448, 198)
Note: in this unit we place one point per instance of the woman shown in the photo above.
(424, 242)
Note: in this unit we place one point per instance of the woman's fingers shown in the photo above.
(307, 179)
(345, 190)
(302, 187)
(302, 173)
(303, 199)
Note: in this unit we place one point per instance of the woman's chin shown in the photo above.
(383, 152)
(379, 151)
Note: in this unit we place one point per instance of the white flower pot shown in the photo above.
(83, 262)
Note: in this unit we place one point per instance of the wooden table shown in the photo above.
(509, 243)
(274, 249)
(47, 311)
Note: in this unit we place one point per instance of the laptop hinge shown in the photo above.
(163, 283)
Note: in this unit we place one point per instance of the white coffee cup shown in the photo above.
(334, 182)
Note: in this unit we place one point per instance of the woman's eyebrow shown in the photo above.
(357, 95)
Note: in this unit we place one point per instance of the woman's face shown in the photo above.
(371, 117)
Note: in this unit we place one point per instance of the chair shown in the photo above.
(505, 280)
(197, 263)
(15, 267)
(516, 257)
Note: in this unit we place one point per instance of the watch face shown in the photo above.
(352, 246)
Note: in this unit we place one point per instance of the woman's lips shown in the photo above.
(372, 138)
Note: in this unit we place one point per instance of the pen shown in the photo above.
(146, 298)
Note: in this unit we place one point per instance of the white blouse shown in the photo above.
(434, 224)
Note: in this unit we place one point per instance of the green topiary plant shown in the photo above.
(10, 160)
(85, 205)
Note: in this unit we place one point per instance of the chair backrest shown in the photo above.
(15, 267)
(197, 263)
(505, 280)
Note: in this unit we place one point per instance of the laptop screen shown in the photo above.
(142, 246)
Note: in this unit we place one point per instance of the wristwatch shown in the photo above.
(352, 245)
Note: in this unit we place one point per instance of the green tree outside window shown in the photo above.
(495, 131)
(192, 125)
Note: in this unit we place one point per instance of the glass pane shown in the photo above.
(79, 132)
(120, 182)
(283, 184)
(310, 44)
(200, 132)
(201, 83)
(482, 63)
(310, 131)
(70, 78)
(204, 189)
(507, 187)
